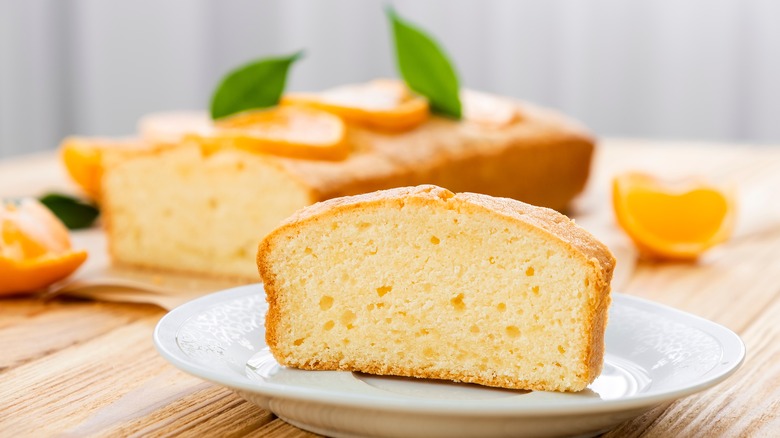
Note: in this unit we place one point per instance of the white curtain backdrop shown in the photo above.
(693, 69)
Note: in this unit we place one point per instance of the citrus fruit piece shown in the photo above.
(487, 109)
(290, 131)
(173, 126)
(672, 221)
(82, 158)
(381, 104)
(35, 248)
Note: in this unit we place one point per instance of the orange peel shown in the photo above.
(35, 249)
(295, 132)
(380, 104)
(82, 158)
(488, 110)
(672, 221)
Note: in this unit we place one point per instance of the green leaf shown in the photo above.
(258, 84)
(425, 67)
(74, 213)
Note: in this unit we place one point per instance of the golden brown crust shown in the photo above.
(515, 161)
(552, 224)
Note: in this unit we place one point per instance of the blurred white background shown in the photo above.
(691, 69)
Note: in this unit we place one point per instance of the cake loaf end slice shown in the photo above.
(421, 282)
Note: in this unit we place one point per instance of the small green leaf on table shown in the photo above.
(74, 213)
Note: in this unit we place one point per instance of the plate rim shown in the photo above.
(167, 328)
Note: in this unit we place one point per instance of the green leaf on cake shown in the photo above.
(425, 67)
(74, 213)
(256, 85)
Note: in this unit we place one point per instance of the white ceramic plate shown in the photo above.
(655, 354)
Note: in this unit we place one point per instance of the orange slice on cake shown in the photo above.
(295, 132)
(35, 247)
(672, 221)
(488, 110)
(381, 104)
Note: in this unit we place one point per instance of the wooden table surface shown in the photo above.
(78, 368)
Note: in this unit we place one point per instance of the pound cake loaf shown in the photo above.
(421, 282)
(184, 207)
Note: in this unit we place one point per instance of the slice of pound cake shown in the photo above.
(422, 282)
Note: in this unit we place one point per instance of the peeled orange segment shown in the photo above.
(295, 132)
(672, 221)
(35, 248)
(82, 158)
(31, 275)
(488, 110)
(28, 230)
(174, 126)
(381, 104)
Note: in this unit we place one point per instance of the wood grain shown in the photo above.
(78, 368)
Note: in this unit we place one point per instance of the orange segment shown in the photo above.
(34, 248)
(29, 276)
(82, 158)
(672, 221)
(295, 132)
(380, 104)
(488, 110)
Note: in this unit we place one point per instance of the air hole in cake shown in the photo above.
(474, 329)
(492, 260)
(334, 226)
(512, 331)
(383, 290)
(370, 307)
(167, 212)
(561, 349)
(435, 240)
(308, 250)
(587, 282)
(348, 317)
(345, 341)
(520, 311)
(328, 325)
(501, 307)
(429, 352)
(535, 290)
(363, 225)
(299, 341)
(372, 248)
(458, 303)
(326, 302)
(530, 271)
(240, 166)
(213, 203)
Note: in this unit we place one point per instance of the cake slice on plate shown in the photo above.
(421, 282)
